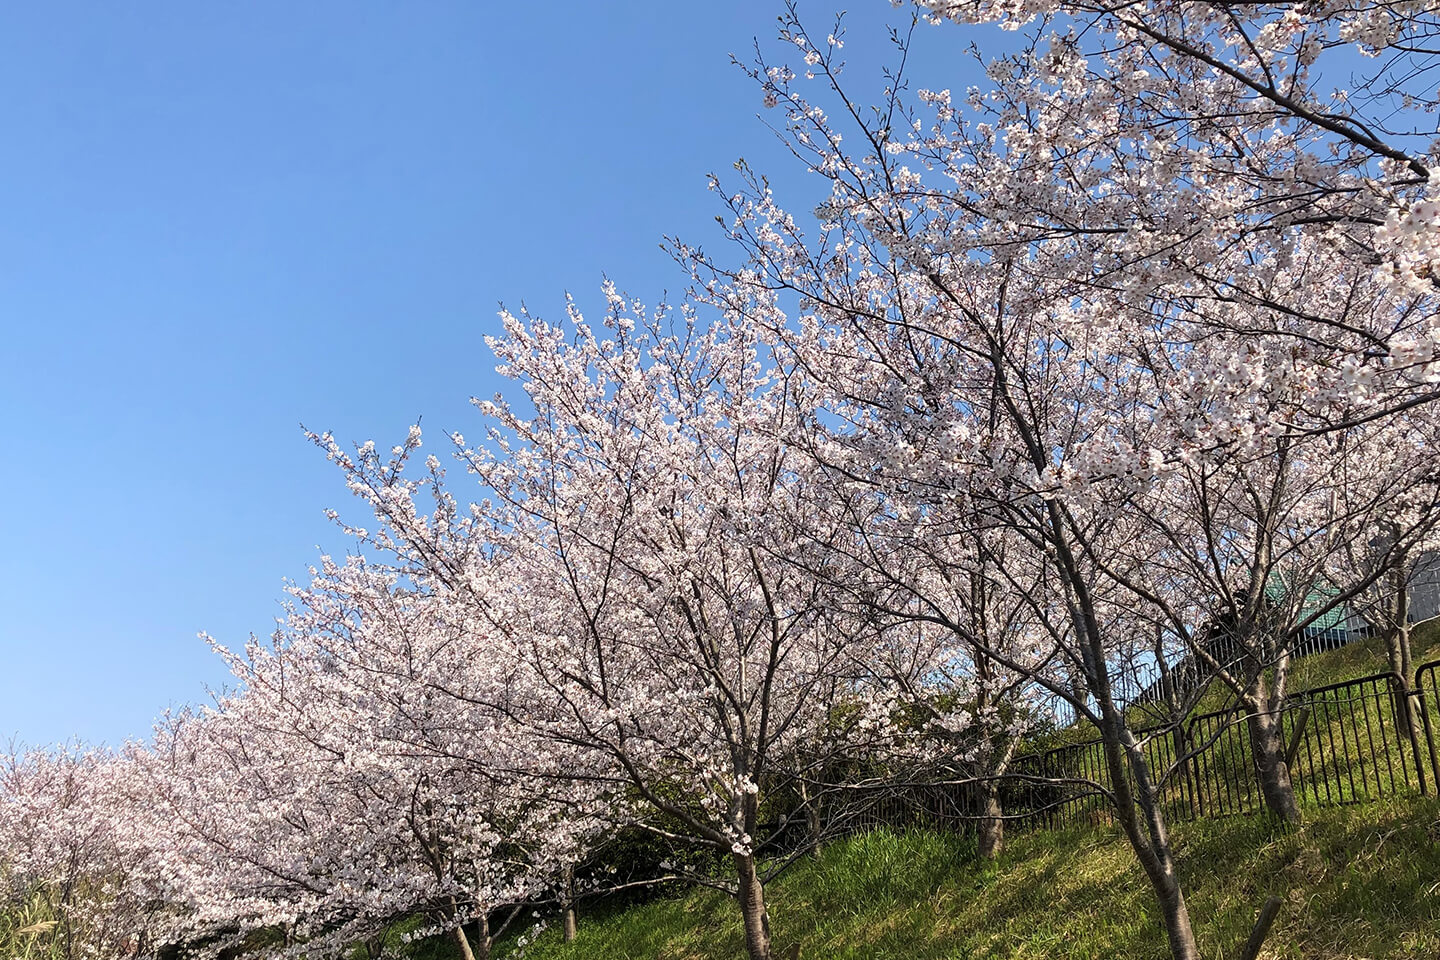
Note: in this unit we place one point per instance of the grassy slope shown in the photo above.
(1360, 659)
(1360, 881)
(1357, 882)
(1364, 657)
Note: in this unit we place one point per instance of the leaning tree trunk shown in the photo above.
(752, 908)
(1178, 932)
(480, 950)
(464, 943)
(1267, 749)
(1137, 809)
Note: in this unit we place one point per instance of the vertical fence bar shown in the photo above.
(1395, 688)
(1309, 736)
(1196, 782)
(1346, 721)
(1428, 702)
(1412, 732)
(1239, 766)
(1370, 739)
(1217, 768)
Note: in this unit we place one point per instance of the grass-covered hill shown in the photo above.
(1363, 657)
(1356, 882)
(1360, 881)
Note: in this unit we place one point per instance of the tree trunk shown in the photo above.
(1397, 638)
(1397, 648)
(1144, 824)
(814, 823)
(1398, 644)
(992, 824)
(567, 892)
(752, 908)
(467, 951)
(1131, 788)
(1177, 921)
(1267, 748)
(571, 923)
(483, 938)
(464, 943)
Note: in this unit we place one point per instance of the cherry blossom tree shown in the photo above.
(1169, 133)
(915, 386)
(338, 791)
(1385, 559)
(71, 832)
(1266, 538)
(647, 552)
(1125, 357)
(939, 592)
(1033, 309)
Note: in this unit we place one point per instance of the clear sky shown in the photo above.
(220, 220)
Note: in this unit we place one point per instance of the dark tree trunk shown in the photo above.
(1177, 921)
(992, 824)
(1267, 748)
(814, 822)
(1139, 815)
(483, 938)
(752, 908)
(464, 943)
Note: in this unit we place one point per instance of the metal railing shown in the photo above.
(1350, 742)
(1426, 704)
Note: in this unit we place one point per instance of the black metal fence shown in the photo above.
(1349, 742)
(1426, 704)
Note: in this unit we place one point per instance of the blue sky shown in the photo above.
(220, 220)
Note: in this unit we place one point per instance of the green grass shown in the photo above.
(1352, 749)
(25, 931)
(1363, 658)
(1358, 881)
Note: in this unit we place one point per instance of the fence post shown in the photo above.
(1425, 717)
(1193, 770)
(1186, 784)
(1401, 698)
